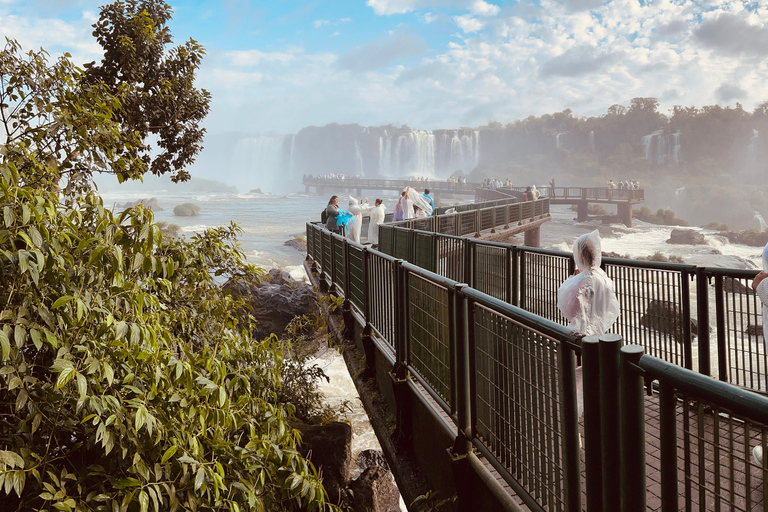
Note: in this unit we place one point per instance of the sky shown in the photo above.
(275, 66)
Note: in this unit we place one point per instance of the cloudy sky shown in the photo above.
(274, 66)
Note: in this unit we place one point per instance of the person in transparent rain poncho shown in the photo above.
(354, 229)
(760, 285)
(587, 298)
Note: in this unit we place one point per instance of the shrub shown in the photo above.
(661, 216)
(186, 210)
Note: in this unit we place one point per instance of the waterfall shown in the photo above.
(558, 140)
(655, 147)
(592, 141)
(434, 154)
(674, 146)
(358, 157)
(292, 164)
(680, 191)
(761, 220)
(751, 154)
(259, 162)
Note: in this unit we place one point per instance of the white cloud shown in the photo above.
(428, 18)
(482, 8)
(335, 34)
(468, 24)
(387, 7)
(320, 23)
(344, 20)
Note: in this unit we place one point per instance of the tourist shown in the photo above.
(535, 193)
(356, 210)
(587, 298)
(332, 216)
(377, 217)
(760, 285)
(528, 195)
(429, 198)
(415, 199)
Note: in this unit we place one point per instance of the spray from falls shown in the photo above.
(592, 141)
(751, 149)
(761, 220)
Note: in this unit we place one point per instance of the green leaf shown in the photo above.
(141, 417)
(143, 501)
(66, 299)
(82, 385)
(64, 377)
(170, 452)
(199, 478)
(5, 346)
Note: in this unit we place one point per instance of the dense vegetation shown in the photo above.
(720, 158)
(128, 379)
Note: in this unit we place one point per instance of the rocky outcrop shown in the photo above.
(375, 491)
(329, 447)
(371, 458)
(667, 317)
(732, 285)
(299, 243)
(151, 203)
(686, 237)
(276, 301)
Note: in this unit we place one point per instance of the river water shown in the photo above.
(268, 221)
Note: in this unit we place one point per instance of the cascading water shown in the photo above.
(592, 141)
(259, 162)
(761, 220)
(751, 153)
(655, 146)
(358, 158)
(559, 140)
(673, 143)
(425, 153)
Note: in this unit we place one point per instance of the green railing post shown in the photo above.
(609, 419)
(685, 291)
(521, 277)
(632, 430)
(702, 313)
(400, 374)
(668, 446)
(590, 355)
(570, 421)
(469, 262)
(722, 352)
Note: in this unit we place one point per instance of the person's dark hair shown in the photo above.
(402, 193)
(332, 198)
(378, 202)
(426, 191)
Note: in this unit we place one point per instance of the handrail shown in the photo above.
(472, 338)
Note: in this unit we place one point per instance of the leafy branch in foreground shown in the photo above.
(128, 378)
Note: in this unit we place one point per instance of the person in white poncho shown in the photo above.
(355, 227)
(760, 285)
(417, 200)
(587, 298)
(377, 217)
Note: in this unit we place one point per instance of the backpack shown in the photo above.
(324, 216)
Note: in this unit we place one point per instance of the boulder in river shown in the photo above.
(686, 237)
(329, 447)
(299, 243)
(375, 491)
(667, 317)
(370, 458)
(152, 203)
(276, 301)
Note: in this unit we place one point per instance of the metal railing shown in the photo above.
(507, 377)
(588, 193)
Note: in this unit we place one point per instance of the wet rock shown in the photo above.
(667, 317)
(375, 491)
(686, 237)
(275, 301)
(299, 243)
(732, 285)
(151, 203)
(329, 447)
(371, 458)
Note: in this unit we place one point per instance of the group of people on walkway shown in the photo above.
(349, 222)
(624, 184)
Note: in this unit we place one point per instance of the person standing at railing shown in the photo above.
(587, 298)
(760, 285)
(332, 216)
(429, 198)
(356, 210)
(377, 217)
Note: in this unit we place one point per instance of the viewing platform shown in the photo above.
(465, 344)
(624, 199)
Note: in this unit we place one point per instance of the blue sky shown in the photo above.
(276, 66)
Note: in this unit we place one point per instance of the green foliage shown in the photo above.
(186, 210)
(334, 302)
(126, 376)
(431, 502)
(592, 209)
(128, 379)
(154, 88)
(169, 230)
(660, 216)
